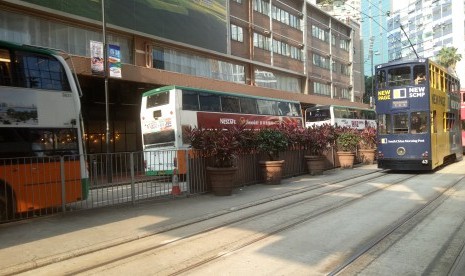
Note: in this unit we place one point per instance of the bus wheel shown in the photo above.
(6, 206)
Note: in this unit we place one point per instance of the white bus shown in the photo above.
(167, 111)
(41, 139)
(343, 116)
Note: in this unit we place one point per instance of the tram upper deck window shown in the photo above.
(420, 74)
(399, 76)
(381, 79)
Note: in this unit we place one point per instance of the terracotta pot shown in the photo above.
(346, 159)
(272, 171)
(315, 163)
(222, 180)
(367, 156)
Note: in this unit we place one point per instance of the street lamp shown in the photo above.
(372, 73)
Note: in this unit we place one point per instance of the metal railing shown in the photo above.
(113, 179)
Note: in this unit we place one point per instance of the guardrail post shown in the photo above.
(133, 188)
(63, 183)
(187, 172)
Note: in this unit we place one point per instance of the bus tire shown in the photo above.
(7, 206)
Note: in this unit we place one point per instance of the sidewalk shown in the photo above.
(37, 242)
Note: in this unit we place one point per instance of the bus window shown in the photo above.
(209, 102)
(265, 107)
(190, 100)
(5, 68)
(400, 123)
(418, 122)
(399, 76)
(248, 105)
(295, 109)
(381, 79)
(384, 123)
(341, 112)
(283, 108)
(419, 72)
(318, 115)
(230, 104)
(158, 99)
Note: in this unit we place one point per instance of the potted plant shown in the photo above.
(318, 139)
(367, 145)
(272, 141)
(223, 147)
(347, 140)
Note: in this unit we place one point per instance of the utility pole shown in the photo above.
(107, 108)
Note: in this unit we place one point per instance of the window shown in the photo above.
(261, 6)
(248, 106)
(158, 99)
(285, 17)
(209, 102)
(321, 61)
(401, 123)
(344, 44)
(320, 33)
(261, 41)
(384, 123)
(41, 72)
(449, 121)
(230, 104)
(418, 122)
(190, 100)
(237, 33)
(399, 76)
(266, 107)
(321, 89)
(237, 1)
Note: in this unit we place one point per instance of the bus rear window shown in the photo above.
(159, 138)
(158, 99)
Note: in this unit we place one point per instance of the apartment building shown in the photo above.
(283, 49)
(424, 27)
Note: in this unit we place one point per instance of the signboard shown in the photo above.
(220, 120)
(96, 56)
(114, 61)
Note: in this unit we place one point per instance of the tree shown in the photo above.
(448, 57)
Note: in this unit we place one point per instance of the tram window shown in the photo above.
(399, 76)
(384, 123)
(434, 127)
(400, 123)
(418, 122)
(419, 72)
(381, 79)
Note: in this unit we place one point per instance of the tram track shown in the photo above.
(368, 252)
(229, 247)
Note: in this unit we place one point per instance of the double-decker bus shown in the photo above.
(167, 111)
(418, 117)
(344, 116)
(42, 163)
(462, 116)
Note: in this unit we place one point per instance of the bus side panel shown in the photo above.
(38, 185)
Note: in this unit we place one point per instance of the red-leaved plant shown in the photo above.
(223, 145)
(318, 139)
(368, 138)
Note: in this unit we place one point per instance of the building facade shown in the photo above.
(274, 48)
(424, 27)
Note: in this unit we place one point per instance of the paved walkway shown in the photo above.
(36, 242)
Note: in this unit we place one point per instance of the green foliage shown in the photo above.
(347, 139)
(272, 141)
(448, 57)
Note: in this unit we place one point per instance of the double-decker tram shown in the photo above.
(462, 117)
(418, 110)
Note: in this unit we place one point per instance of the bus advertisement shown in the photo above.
(418, 105)
(42, 162)
(166, 112)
